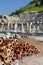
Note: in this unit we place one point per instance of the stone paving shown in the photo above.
(30, 60)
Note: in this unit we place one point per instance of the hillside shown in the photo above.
(31, 7)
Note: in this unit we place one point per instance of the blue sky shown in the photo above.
(8, 6)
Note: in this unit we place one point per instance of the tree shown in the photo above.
(38, 2)
(18, 11)
(41, 2)
(11, 14)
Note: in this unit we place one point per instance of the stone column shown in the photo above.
(16, 27)
(8, 26)
(38, 28)
(34, 28)
(27, 26)
(2, 27)
(30, 27)
(9, 21)
(22, 28)
(11, 26)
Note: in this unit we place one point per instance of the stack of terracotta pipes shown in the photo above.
(11, 49)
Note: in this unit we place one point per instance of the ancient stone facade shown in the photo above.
(23, 23)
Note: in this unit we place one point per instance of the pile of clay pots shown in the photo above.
(12, 49)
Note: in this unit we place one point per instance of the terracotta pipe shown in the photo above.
(19, 56)
(18, 49)
(1, 41)
(7, 63)
(2, 54)
(3, 48)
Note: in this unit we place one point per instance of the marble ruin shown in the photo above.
(27, 22)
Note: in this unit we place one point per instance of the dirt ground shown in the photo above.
(31, 60)
(34, 42)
